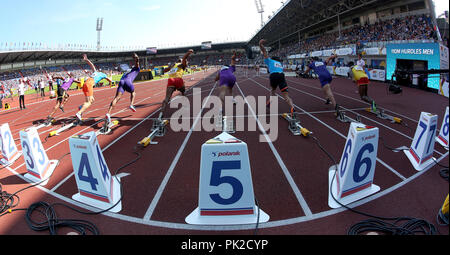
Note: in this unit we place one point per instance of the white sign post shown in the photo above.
(352, 179)
(8, 146)
(421, 151)
(95, 184)
(39, 167)
(443, 134)
(226, 189)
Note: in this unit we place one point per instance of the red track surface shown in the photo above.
(290, 177)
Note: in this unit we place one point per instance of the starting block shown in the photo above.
(380, 114)
(64, 128)
(295, 127)
(158, 130)
(421, 150)
(96, 186)
(228, 125)
(106, 129)
(344, 118)
(352, 178)
(39, 167)
(225, 160)
(46, 124)
(7, 146)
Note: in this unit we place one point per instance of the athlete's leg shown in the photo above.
(114, 101)
(329, 94)
(169, 92)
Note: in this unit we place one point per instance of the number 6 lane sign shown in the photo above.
(421, 151)
(352, 178)
(95, 184)
(226, 190)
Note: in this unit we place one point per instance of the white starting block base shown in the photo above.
(196, 219)
(415, 164)
(438, 139)
(33, 179)
(6, 163)
(103, 205)
(350, 198)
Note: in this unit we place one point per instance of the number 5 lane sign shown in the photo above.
(352, 178)
(226, 190)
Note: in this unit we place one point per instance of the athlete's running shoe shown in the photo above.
(132, 108)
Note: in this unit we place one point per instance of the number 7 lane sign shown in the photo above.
(95, 184)
(352, 178)
(225, 189)
(421, 150)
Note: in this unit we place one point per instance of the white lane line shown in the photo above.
(162, 186)
(285, 170)
(337, 132)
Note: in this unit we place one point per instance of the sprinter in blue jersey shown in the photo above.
(325, 78)
(277, 78)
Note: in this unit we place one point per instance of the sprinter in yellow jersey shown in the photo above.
(361, 79)
(175, 81)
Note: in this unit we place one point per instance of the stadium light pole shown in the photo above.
(260, 9)
(99, 29)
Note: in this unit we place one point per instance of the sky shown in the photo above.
(148, 23)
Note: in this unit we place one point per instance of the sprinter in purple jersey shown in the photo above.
(325, 78)
(62, 93)
(126, 84)
(226, 79)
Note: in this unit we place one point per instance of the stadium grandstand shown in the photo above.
(148, 170)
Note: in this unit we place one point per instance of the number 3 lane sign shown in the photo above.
(39, 167)
(352, 178)
(226, 190)
(421, 151)
(95, 184)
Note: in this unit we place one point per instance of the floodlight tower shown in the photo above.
(260, 9)
(99, 29)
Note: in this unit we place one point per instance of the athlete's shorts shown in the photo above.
(61, 94)
(125, 85)
(228, 81)
(325, 80)
(178, 83)
(363, 81)
(88, 88)
(278, 80)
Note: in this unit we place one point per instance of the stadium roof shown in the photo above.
(20, 56)
(299, 16)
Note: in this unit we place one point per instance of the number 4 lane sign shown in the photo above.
(443, 135)
(226, 190)
(39, 167)
(7, 146)
(352, 178)
(96, 186)
(421, 151)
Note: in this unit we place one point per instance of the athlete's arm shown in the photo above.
(330, 58)
(85, 58)
(169, 67)
(136, 60)
(218, 76)
(233, 59)
(184, 61)
(263, 49)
